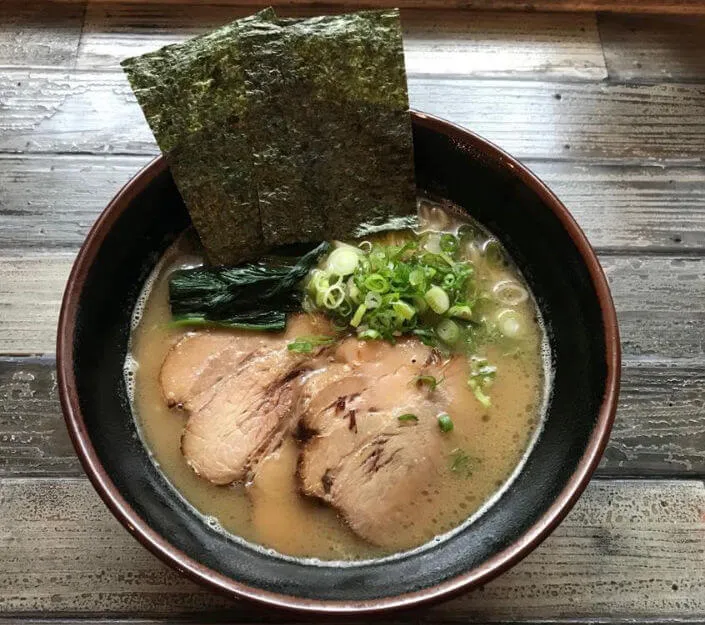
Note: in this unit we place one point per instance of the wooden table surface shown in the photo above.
(609, 110)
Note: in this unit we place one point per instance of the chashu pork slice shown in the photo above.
(241, 417)
(353, 454)
(238, 389)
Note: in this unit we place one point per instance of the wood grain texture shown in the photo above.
(641, 48)
(446, 42)
(74, 190)
(619, 207)
(33, 438)
(660, 303)
(39, 33)
(63, 552)
(660, 426)
(31, 289)
(690, 7)
(95, 112)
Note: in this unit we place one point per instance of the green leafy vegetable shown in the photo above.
(445, 422)
(408, 418)
(306, 344)
(461, 463)
(252, 296)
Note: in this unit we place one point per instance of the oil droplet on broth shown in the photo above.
(319, 532)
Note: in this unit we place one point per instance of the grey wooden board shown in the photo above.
(31, 289)
(660, 303)
(95, 112)
(64, 553)
(651, 48)
(640, 208)
(538, 45)
(660, 426)
(39, 34)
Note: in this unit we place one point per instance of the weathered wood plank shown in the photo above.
(649, 208)
(448, 42)
(33, 438)
(74, 189)
(660, 427)
(641, 48)
(31, 289)
(691, 7)
(39, 33)
(88, 111)
(660, 303)
(629, 549)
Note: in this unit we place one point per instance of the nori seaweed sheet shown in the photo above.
(284, 131)
(328, 123)
(193, 97)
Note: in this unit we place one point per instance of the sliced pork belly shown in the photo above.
(349, 417)
(238, 389)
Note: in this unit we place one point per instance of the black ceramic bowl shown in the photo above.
(571, 290)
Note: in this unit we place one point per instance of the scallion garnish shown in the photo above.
(407, 418)
(445, 422)
(461, 463)
(306, 344)
(482, 376)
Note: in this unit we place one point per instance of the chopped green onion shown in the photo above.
(437, 299)
(445, 422)
(369, 334)
(509, 323)
(343, 260)
(404, 310)
(373, 300)
(482, 375)
(461, 311)
(305, 344)
(449, 243)
(417, 277)
(461, 462)
(479, 393)
(408, 417)
(333, 297)
(376, 282)
(493, 252)
(359, 314)
(428, 380)
(448, 331)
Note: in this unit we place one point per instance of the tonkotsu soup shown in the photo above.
(398, 402)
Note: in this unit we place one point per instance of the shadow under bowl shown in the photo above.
(558, 263)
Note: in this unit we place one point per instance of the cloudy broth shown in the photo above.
(481, 453)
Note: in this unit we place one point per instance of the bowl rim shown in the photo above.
(200, 573)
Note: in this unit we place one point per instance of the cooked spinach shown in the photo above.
(251, 296)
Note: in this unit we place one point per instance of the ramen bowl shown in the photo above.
(571, 292)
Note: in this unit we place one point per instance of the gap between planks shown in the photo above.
(628, 549)
(622, 209)
(447, 42)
